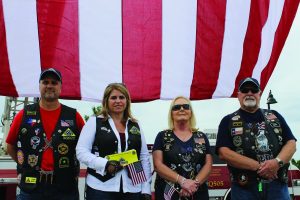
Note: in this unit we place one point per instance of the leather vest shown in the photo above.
(32, 142)
(106, 142)
(260, 141)
(188, 163)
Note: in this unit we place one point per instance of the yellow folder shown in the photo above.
(125, 158)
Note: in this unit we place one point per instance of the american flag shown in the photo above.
(169, 191)
(159, 48)
(136, 172)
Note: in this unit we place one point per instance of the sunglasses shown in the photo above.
(246, 90)
(179, 106)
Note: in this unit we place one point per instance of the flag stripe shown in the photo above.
(142, 48)
(59, 47)
(268, 34)
(7, 86)
(22, 45)
(236, 21)
(178, 39)
(251, 49)
(209, 41)
(289, 12)
(100, 46)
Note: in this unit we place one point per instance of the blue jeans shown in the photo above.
(274, 190)
(92, 194)
(49, 192)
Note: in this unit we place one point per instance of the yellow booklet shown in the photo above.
(125, 158)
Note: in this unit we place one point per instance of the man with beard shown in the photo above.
(257, 145)
(42, 141)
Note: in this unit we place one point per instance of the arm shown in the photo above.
(84, 148)
(11, 150)
(269, 168)
(205, 171)
(236, 160)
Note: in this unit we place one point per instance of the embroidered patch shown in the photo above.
(237, 141)
(35, 141)
(63, 148)
(237, 117)
(20, 156)
(29, 112)
(31, 180)
(237, 131)
(68, 135)
(237, 124)
(134, 130)
(32, 160)
(31, 121)
(63, 162)
(23, 130)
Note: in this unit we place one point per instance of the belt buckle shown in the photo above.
(46, 174)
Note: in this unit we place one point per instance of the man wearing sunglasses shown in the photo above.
(257, 145)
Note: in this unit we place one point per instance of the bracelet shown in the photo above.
(182, 181)
(177, 178)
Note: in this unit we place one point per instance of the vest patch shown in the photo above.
(30, 112)
(35, 141)
(63, 162)
(31, 180)
(135, 131)
(237, 131)
(32, 160)
(63, 149)
(68, 135)
(20, 156)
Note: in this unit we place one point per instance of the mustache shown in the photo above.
(249, 98)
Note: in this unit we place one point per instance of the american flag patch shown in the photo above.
(64, 123)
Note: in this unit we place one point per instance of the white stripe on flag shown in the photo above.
(23, 45)
(100, 35)
(236, 22)
(268, 35)
(178, 47)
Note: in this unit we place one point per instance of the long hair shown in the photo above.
(122, 88)
(192, 120)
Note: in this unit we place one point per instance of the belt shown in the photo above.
(46, 177)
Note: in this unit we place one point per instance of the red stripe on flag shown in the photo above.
(59, 42)
(142, 48)
(284, 27)
(257, 19)
(7, 87)
(209, 39)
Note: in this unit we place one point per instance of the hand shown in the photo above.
(184, 193)
(146, 197)
(189, 185)
(268, 169)
(112, 167)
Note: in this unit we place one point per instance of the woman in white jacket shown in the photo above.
(113, 131)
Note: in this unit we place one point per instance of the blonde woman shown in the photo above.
(181, 155)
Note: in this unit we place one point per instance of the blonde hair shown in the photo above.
(192, 120)
(108, 90)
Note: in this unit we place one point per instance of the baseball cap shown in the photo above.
(249, 80)
(52, 71)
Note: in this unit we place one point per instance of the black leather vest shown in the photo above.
(184, 163)
(31, 144)
(106, 142)
(259, 144)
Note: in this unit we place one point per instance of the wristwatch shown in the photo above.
(280, 162)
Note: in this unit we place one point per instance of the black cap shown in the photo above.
(52, 71)
(250, 80)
